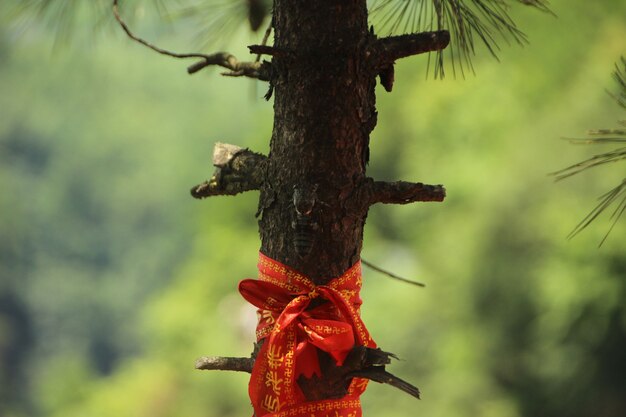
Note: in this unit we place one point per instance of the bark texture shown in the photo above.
(324, 113)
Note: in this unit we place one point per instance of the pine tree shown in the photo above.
(321, 70)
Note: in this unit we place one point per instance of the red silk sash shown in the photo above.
(294, 331)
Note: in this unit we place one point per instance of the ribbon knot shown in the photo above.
(294, 329)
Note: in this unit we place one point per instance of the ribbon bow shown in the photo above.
(296, 318)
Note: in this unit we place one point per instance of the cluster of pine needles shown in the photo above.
(617, 195)
(468, 21)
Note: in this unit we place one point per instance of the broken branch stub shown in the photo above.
(223, 153)
(403, 192)
(236, 170)
(219, 363)
(383, 53)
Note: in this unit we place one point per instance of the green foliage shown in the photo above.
(113, 280)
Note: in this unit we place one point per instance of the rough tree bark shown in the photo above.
(314, 192)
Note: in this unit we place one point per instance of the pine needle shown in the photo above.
(467, 21)
(606, 200)
(603, 137)
(620, 78)
(67, 18)
(615, 155)
(214, 21)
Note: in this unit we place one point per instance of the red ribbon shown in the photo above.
(294, 330)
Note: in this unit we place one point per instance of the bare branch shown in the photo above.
(402, 192)
(265, 38)
(237, 170)
(386, 51)
(269, 50)
(219, 363)
(258, 70)
(390, 274)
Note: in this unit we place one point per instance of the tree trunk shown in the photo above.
(314, 192)
(324, 113)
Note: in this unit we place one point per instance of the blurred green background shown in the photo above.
(113, 280)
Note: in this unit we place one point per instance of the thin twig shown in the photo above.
(222, 59)
(268, 31)
(390, 274)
